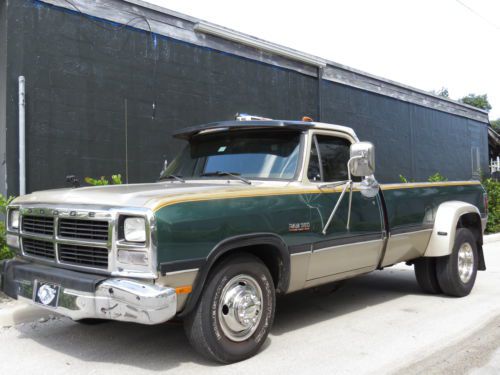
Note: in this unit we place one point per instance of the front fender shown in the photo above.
(445, 225)
(233, 244)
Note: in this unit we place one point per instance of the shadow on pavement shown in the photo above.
(300, 309)
(163, 347)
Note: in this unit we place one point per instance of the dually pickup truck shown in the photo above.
(248, 210)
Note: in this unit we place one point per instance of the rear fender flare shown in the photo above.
(445, 226)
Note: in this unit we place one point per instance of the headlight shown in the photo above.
(14, 219)
(134, 229)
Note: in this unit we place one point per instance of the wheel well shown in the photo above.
(472, 221)
(268, 254)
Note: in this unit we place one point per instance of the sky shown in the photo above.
(427, 44)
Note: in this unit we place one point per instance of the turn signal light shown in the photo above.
(184, 289)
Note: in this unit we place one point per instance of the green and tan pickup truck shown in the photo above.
(249, 209)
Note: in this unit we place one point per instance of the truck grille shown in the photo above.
(42, 249)
(38, 225)
(89, 256)
(84, 229)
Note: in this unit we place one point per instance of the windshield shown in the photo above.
(249, 154)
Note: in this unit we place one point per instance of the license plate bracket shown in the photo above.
(46, 294)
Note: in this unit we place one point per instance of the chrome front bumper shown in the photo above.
(112, 298)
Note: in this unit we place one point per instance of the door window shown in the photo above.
(328, 160)
(314, 171)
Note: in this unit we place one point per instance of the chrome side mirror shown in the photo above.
(369, 187)
(362, 159)
(362, 163)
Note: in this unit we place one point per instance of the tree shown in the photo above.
(443, 91)
(495, 124)
(478, 101)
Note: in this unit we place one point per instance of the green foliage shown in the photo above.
(116, 179)
(404, 180)
(493, 189)
(495, 124)
(5, 253)
(478, 101)
(437, 177)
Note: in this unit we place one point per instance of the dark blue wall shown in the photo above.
(411, 140)
(91, 86)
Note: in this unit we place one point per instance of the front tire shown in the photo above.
(456, 272)
(235, 312)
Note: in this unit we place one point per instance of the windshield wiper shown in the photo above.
(172, 176)
(231, 174)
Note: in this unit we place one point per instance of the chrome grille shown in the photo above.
(42, 249)
(89, 256)
(83, 229)
(38, 225)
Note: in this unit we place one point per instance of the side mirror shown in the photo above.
(362, 159)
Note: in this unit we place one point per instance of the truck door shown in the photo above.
(342, 251)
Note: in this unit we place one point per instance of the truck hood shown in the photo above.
(150, 195)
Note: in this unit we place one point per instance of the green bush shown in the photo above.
(116, 179)
(5, 253)
(404, 180)
(493, 189)
(437, 177)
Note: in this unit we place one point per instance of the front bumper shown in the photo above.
(83, 295)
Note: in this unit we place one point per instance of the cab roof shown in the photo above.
(187, 133)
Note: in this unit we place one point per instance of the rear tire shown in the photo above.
(425, 272)
(456, 272)
(235, 312)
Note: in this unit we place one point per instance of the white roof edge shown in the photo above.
(239, 37)
(285, 51)
(206, 26)
(408, 87)
(160, 9)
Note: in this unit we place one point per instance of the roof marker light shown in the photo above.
(247, 117)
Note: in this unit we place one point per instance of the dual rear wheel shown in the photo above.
(453, 275)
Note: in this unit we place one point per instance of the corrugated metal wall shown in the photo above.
(91, 86)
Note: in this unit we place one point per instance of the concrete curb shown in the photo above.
(489, 238)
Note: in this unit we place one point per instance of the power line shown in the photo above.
(478, 14)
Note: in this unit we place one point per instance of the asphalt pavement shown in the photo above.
(380, 323)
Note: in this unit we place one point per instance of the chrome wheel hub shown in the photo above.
(465, 262)
(240, 307)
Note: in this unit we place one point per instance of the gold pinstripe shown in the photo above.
(427, 184)
(295, 190)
